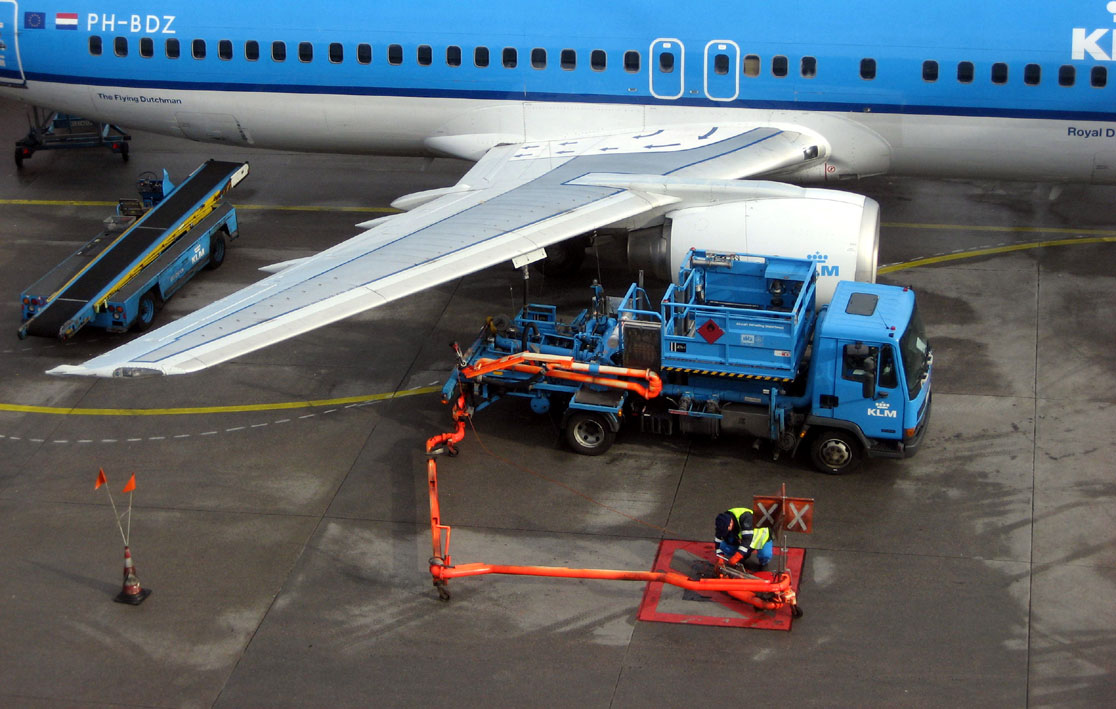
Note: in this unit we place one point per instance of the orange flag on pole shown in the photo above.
(101, 479)
(131, 484)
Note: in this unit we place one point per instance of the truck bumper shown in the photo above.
(909, 448)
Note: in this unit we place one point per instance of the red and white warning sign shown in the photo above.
(793, 514)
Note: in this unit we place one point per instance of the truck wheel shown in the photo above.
(588, 433)
(146, 314)
(835, 452)
(216, 251)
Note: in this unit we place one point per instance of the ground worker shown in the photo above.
(735, 539)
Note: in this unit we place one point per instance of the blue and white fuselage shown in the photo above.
(952, 88)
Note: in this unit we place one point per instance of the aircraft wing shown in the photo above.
(516, 200)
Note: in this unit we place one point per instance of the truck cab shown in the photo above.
(871, 375)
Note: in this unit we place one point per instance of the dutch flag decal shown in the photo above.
(66, 21)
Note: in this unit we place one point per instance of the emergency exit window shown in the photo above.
(721, 64)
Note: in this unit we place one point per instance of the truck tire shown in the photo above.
(146, 314)
(588, 433)
(835, 452)
(216, 251)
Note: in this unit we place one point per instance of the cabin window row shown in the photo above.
(508, 57)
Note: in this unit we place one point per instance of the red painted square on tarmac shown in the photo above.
(664, 603)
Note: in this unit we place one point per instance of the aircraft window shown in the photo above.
(279, 51)
(538, 58)
(1067, 75)
(425, 55)
(364, 53)
(95, 45)
(569, 59)
(174, 50)
(480, 57)
(809, 67)
(453, 55)
(147, 47)
(666, 63)
(336, 53)
(252, 50)
(721, 64)
(120, 46)
(225, 49)
(752, 65)
(779, 65)
(631, 62)
(510, 57)
(930, 70)
(395, 54)
(598, 60)
(1032, 74)
(305, 52)
(868, 68)
(1099, 77)
(965, 72)
(197, 48)
(999, 73)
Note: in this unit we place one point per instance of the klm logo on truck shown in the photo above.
(821, 260)
(1098, 44)
(883, 410)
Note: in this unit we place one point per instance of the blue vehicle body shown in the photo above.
(739, 347)
(149, 249)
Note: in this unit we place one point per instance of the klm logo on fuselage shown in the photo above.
(1097, 44)
(148, 24)
(824, 269)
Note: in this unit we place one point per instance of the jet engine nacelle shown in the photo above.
(839, 231)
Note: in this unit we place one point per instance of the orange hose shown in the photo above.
(563, 367)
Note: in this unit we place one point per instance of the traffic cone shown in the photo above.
(132, 593)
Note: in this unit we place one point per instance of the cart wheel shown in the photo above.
(588, 433)
(146, 314)
(216, 251)
(19, 157)
(124, 152)
(796, 611)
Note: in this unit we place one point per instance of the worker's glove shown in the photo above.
(736, 558)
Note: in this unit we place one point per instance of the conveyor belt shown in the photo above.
(129, 248)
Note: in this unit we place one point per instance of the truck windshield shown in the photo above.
(915, 351)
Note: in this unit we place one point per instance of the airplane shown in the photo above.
(721, 126)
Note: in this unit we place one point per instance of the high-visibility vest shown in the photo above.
(759, 537)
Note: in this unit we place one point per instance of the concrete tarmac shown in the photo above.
(287, 544)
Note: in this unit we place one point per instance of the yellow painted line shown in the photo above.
(1002, 229)
(943, 258)
(195, 410)
(258, 207)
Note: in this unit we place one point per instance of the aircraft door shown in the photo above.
(11, 69)
(722, 70)
(668, 68)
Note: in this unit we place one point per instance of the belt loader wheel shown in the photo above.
(216, 251)
(146, 314)
(588, 433)
(835, 452)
